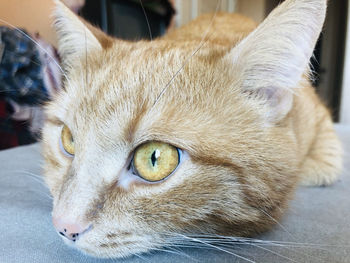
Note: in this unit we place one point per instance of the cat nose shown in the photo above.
(70, 230)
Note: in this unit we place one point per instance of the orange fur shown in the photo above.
(247, 145)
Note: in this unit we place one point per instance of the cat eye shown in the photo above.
(67, 140)
(154, 161)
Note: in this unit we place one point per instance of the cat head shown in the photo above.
(150, 141)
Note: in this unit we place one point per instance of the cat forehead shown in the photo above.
(157, 58)
(120, 98)
(133, 74)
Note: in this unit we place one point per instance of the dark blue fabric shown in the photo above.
(21, 78)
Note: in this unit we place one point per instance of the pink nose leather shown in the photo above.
(69, 230)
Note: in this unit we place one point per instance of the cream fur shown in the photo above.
(74, 39)
(241, 109)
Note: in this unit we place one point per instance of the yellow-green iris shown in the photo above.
(67, 140)
(154, 161)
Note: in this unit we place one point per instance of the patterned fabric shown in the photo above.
(20, 68)
(28, 76)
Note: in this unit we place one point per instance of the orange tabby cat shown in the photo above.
(189, 133)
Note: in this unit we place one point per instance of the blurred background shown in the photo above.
(29, 75)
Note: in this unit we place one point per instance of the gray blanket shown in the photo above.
(316, 227)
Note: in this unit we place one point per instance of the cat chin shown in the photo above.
(96, 251)
(74, 245)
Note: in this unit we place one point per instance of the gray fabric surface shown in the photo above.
(316, 227)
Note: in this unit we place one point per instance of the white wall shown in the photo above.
(345, 101)
(32, 15)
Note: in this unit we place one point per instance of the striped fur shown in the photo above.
(243, 112)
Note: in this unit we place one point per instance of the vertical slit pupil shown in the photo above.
(153, 158)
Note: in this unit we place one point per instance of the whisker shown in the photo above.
(31, 60)
(148, 25)
(161, 248)
(295, 251)
(218, 248)
(278, 223)
(275, 253)
(39, 46)
(179, 252)
(187, 245)
(228, 242)
(267, 214)
(36, 178)
(201, 43)
(247, 241)
(86, 61)
(141, 257)
(168, 250)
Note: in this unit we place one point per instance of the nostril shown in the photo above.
(68, 229)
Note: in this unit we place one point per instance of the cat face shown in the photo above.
(236, 160)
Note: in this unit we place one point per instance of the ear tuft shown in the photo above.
(273, 58)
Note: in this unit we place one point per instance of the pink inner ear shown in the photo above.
(280, 102)
(274, 96)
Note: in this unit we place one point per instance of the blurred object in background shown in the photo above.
(12, 133)
(29, 75)
(130, 19)
(29, 71)
(329, 55)
(20, 69)
(74, 5)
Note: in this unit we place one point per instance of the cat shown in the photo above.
(208, 129)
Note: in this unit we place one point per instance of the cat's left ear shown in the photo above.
(76, 36)
(271, 60)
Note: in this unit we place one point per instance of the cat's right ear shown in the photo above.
(75, 36)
